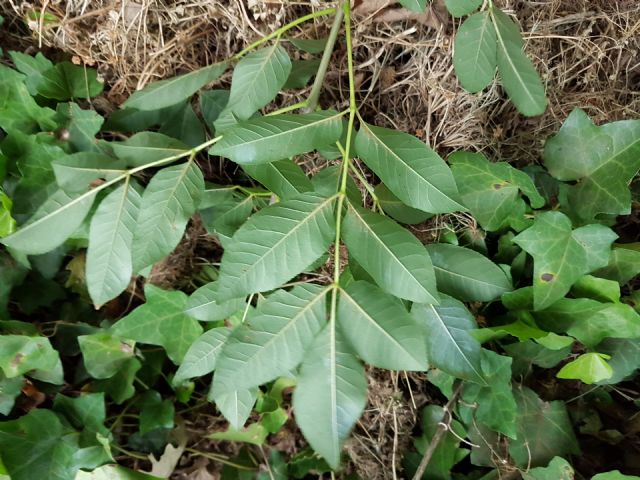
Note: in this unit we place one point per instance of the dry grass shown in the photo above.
(588, 52)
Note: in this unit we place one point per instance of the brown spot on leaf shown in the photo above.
(547, 277)
(17, 360)
(498, 186)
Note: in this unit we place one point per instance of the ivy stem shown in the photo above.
(278, 33)
(314, 95)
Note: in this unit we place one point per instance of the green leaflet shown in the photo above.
(476, 48)
(604, 159)
(52, 224)
(558, 469)
(274, 340)
(614, 475)
(81, 126)
(588, 368)
(299, 230)
(266, 139)
(411, 170)
(301, 73)
(204, 306)
(459, 8)
(395, 258)
(624, 263)
(109, 261)
(491, 191)
(544, 430)
(74, 173)
(170, 199)
(467, 274)
(562, 255)
(397, 210)
(380, 329)
(104, 354)
(146, 147)
(519, 76)
(283, 177)
(415, 5)
(165, 93)
(450, 346)
(161, 321)
(235, 405)
(257, 79)
(330, 395)
(202, 355)
(119, 387)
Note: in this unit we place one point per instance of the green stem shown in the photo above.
(314, 95)
(278, 33)
(288, 109)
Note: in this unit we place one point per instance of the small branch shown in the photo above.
(443, 426)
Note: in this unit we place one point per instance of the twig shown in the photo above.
(443, 426)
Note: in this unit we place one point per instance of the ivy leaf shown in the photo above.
(544, 430)
(466, 274)
(235, 405)
(266, 139)
(274, 340)
(161, 321)
(202, 355)
(562, 255)
(68, 81)
(299, 230)
(380, 329)
(204, 306)
(588, 368)
(120, 386)
(257, 79)
(491, 191)
(10, 388)
(589, 154)
(170, 199)
(146, 147)
(614, 475)
(54, 222)
(32, 67)
(104, 354)
(625, 358)
(284, 178)
(558, 469)
(20, 112)
(414, 5)
(450, 346)
(86, 412)
(624, 263)
(460, 8)
(7, 223)
(22, 354)
(519, 76)
(597, 289)
(411, 170)
(74, 173)
(395, 258)
(109, 261)
(165, 93)
(155, 413)
(475, 56)
(330, 395)
(397, 210)
(82, 125)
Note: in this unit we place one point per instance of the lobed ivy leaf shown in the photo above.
(411, 170)
(614, 475)
(562, 255)
(624, 263)
(603, 159)
(155, 413)
(165, 93)
(161, 321)
(21, 354)
(380, 329)
(32, 68)
(558, 469)
(104, 354)
(396, 260)
(67, 81)
(283, 177)
(267, 139)
(588, 368)
(466, 274)
(81, 126)
(330, 395)
(120, 387)
(86, 412)
(299, 229)
(475, 55)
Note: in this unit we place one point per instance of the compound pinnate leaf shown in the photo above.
(475, 55)
(109, 261)
(284, 178)
(562, 255)
(544, 430)
(165, 93)
(204, 306)
(558, 469)
(459, 8)
(202, 355)
(395, 258)
(411, 170)
(491, 191)
(54, 221)
(380, 329)
(414, 5)
(588, 368)
(519, 76)
(170, 199)
(275, 339)
(466, 274)
(147, 147)
(450, 346)
(300, 230)
(104, 354)
(257, 79)
(235, 405)
(22, 354)
(603, 159)
(330, 395)
(161, 321)
(267, 139)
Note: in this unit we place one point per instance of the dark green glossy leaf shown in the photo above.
(104, 354)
